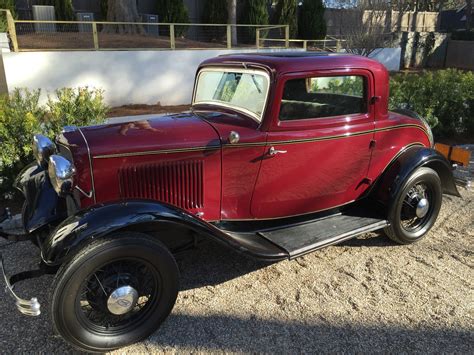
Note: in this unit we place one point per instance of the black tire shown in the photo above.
(148, 266)
(404, 232)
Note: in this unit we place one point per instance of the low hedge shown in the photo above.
(22, 115)
(444, 97)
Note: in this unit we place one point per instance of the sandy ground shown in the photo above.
(366, 295)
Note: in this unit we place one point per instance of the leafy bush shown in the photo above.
(7, 5)
(255, 12)
(216, 12)
(174, 11)
(286, 14)
(311, 22)
(78, 107)
(444, 97)
(21, 116)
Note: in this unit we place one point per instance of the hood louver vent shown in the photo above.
(178, 183)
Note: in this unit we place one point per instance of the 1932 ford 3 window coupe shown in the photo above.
(280, 155)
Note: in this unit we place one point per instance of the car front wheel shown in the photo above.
(114, 292)
(416, 207)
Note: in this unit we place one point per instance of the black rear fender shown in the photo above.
(393, 178)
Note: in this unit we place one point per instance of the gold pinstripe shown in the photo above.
(259, 144)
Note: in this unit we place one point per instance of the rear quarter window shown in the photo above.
(321, 97)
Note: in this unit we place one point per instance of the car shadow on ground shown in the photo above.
(252, 334)
(212, 264)
(209, 265)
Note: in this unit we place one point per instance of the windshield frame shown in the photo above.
(254, 116)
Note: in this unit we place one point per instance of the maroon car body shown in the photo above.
(281, 154)
(236, 183)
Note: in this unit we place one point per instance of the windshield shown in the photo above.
(244, 90)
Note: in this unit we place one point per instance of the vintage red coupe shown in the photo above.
(280, 155)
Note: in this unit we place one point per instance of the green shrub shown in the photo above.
(78, 107)
(286, 14)
(216, 12)
(311, 22)
(255, 12)
(444, 97)
(21, 116)
(174, 11)
(7, 5)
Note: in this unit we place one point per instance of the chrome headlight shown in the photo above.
(43, 148)
(61, 174)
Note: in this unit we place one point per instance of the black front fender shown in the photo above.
(101, 220)
(42, 203)
(405, 164)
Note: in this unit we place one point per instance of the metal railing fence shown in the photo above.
(34, 35)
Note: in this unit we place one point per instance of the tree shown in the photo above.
(366, 27)
(286, 14)
(468, 12)
(232, 19)
(311, 22)
(8, 5)
(216, 12)
(173, 11)
(123, 11)
(255, 12)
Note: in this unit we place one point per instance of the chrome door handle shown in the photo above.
(273, 151)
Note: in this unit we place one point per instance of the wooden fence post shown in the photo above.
(172, 38)
(12, 30)
(229, 37)
(257, 37)
(287, 36)
(95, 36)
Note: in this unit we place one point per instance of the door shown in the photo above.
(318, 146)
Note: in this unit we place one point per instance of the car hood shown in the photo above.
(167, 132)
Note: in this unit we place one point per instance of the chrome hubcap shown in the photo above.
(122, 300)
(422, 208)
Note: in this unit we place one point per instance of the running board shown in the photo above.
(304, 238)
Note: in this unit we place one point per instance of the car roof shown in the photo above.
(293, 61)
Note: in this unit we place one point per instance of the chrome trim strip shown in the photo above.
(154, 152)
(90, 164)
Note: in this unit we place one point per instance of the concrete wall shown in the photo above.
(140, 77)
(460, 54)
(127, 77)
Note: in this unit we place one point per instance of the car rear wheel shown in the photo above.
(114, 292)
(416, 207)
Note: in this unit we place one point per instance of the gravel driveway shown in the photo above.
(366, 295)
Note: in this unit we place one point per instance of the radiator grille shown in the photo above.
(178, 183)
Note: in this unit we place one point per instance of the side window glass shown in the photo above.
(322, 97)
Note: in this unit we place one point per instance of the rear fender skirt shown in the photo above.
(101, 220)
(405, 164)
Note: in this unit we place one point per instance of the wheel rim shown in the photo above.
(417, 208)
(117, 296)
